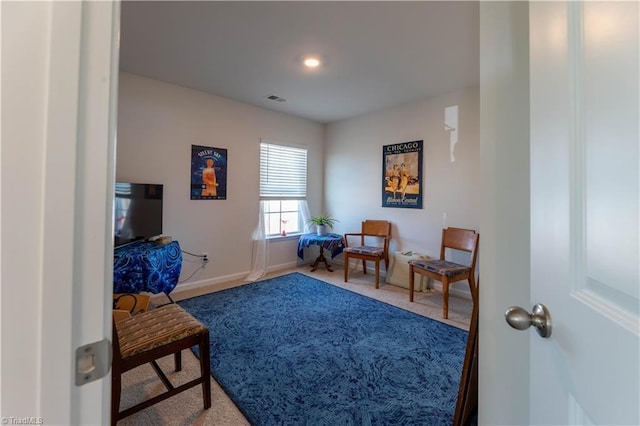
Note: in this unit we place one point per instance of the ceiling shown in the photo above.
(375, 54)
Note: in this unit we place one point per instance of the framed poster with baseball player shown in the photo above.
(208, 173)
(402, 175)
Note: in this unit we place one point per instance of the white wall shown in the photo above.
(158, 123)
(353, 174)
(23, 148)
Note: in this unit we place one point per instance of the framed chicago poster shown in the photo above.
(402, 175)
(208, 173)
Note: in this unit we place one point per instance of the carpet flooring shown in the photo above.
(296, 350)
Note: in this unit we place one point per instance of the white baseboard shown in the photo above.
(217, 283)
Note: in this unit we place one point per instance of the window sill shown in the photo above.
(274, 238)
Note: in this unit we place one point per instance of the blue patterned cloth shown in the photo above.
(441, 267)
(146, 266)
(370, 250)
(332, 242)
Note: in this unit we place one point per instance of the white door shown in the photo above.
(584, 211)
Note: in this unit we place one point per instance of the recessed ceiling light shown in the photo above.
(311, 62)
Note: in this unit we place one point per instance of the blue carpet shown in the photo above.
(294, 350)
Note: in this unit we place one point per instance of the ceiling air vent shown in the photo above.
(276, 98)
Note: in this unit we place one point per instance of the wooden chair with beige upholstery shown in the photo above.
(445, 271)
(373, 245)
(151, 335)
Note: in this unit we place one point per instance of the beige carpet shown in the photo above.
(187, 409)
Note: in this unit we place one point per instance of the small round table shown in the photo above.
(332, 242)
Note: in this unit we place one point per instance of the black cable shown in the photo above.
(192, 254)
(204, 263)
(192, 274)
(202, 259)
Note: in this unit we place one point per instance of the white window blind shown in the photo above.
(283, 172)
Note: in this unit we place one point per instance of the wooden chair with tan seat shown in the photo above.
(376, 232)
(445, 271)
(151, 335)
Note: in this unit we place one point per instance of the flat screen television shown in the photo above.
(137, 212)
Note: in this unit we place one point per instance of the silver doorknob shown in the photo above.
(520, 319)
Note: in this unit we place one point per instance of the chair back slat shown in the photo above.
(459, 239)
(379, 228)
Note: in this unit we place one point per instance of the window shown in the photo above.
(283, 188)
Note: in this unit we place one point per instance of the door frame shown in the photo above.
(504, 211)
(504, 67)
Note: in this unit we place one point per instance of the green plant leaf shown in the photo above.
(321, 220)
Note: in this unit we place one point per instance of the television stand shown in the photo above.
(147, 267)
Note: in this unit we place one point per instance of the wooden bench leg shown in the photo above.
(205, 369)
(178, 360)
(116, 391)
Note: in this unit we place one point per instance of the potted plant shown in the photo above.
(322, 223)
